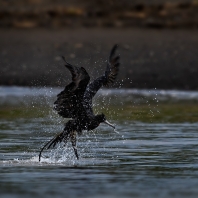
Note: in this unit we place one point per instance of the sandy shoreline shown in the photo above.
(165, 59)
(102, 13)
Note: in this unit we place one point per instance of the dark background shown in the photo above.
(158, 41)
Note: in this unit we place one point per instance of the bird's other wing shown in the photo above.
(108, 78)
(69, 101)
(112, 67)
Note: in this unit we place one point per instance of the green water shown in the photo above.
(152, 153)
(186, 111)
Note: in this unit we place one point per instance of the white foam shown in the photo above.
(28, 95)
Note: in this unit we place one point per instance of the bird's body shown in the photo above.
(75, 102)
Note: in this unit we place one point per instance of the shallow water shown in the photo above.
(149, 155)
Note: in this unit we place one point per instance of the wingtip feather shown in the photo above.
(113, 51)
(112, 66)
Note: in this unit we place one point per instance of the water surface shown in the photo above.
(152, 153)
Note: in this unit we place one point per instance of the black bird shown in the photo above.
(75, 102)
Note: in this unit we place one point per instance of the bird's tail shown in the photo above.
(63, 136)
(55, 140)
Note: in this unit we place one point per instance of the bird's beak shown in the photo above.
(106, 122)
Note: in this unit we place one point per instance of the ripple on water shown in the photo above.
(141, 160)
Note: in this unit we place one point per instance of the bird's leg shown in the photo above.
(73, 141)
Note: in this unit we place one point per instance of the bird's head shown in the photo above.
(102, 118)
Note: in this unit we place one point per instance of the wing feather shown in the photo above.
(69, 101)
(107, 79)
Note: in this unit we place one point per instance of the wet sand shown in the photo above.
(150, 58)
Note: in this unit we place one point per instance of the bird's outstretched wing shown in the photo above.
(69, 101)
(112, 67)
(108, 78)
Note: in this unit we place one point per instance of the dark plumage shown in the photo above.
(75, 102)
